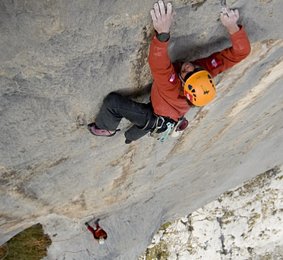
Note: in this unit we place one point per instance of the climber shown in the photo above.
(98, 233)
(176, 87)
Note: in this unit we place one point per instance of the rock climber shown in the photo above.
(98, 233)
(176, 87)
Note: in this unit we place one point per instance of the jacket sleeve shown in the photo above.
(227, 58)
(159, 61)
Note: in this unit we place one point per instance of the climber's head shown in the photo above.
(198, 85)
(101, 240)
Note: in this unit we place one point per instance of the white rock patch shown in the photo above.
(244, 223)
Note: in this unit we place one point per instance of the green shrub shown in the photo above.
(30, 244)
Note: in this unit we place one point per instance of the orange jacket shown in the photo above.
(166, 98)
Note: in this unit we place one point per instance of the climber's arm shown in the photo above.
(240, 49)
(159, 61)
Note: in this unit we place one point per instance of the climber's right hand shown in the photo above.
(162, 17)
(229, 19)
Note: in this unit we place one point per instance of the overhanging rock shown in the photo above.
(60, 58)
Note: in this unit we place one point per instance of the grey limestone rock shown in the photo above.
(59, 59)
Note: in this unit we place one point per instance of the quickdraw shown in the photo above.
(165, 134)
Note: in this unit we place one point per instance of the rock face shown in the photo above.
(244, 223)
(58, 61)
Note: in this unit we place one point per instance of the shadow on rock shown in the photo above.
(142, 94)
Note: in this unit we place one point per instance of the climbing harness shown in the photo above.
(160, 120)
(164, 127)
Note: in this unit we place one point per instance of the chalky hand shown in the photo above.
(162, 17)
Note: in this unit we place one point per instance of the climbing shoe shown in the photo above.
(100, 132)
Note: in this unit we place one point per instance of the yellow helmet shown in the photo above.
(199, 87)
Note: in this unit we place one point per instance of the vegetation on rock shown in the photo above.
(31, 243)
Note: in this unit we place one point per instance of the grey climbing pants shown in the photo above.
(116, 106)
